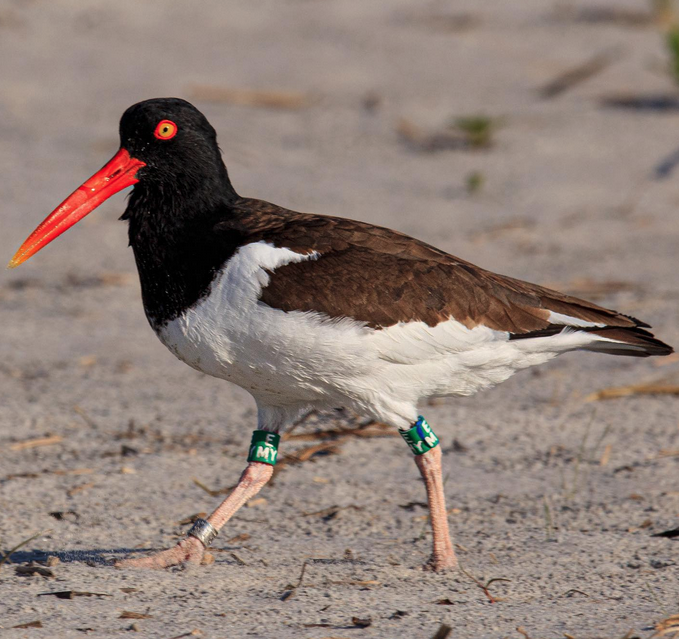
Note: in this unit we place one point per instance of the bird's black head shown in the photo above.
(169, 152)
(177, 145)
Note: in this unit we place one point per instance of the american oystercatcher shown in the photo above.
(308, 311)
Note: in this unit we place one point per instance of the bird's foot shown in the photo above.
(187, 551)
(441, 562)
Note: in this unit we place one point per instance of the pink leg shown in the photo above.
(443, 555)
(190, 550)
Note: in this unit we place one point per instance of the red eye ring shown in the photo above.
(165, 130)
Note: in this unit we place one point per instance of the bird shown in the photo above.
(314, 312)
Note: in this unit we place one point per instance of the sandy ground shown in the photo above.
(559, 497)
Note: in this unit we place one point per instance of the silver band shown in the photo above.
(203, 531)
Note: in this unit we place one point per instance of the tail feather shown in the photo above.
(634, 341)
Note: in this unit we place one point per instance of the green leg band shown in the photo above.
(264, 447)
(421, 438)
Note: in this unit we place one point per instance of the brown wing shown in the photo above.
(381, 277)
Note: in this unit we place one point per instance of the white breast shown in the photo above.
(305, 358)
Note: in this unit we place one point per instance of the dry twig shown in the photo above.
(667, 627)
(289, 100)
(8, 554)
(578, 74)
(485, 586)
(129, 614)
(30, 624)
(649, 388)
(291, 589)
(442, 632)
(36, 442)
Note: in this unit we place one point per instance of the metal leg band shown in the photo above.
(203, 531)
(421, 438)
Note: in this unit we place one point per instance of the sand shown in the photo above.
(558, 496)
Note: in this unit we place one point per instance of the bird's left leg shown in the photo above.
(262, 457)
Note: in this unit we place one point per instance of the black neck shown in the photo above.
(172, 235)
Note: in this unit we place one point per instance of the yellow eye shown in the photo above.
(165, 130)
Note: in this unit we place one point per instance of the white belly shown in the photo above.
(295, 358)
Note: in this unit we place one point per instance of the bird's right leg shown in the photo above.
(425, 445)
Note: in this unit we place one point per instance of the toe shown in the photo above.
(188, 550)
(442, 563)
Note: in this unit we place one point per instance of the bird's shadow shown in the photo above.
(96, 556)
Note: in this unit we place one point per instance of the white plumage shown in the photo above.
(291, 361)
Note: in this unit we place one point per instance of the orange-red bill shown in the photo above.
(119, 173)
